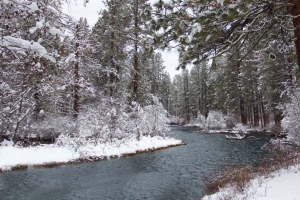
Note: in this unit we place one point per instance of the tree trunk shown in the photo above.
(186, 97)
(76, 77)
(206, 110)
(250, 115)
(135, 59)
(76, 88)
(277, 119)
(266, 119)
(112, 52)
(242, 110)
(256, 115)
(295, 12)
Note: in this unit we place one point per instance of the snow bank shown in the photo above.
(12, 156)
(283, 184)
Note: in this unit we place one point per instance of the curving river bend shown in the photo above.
(173, 173)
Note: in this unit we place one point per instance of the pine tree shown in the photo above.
(29, 37)
(110, 38)
(80, 31)
(203, 28)
(198, 89)
(139, 33)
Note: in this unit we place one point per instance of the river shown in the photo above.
(174, 173)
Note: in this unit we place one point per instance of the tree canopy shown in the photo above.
(205, 28)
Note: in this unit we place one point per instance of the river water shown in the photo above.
(174, 173)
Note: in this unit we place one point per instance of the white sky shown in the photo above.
(90, 12)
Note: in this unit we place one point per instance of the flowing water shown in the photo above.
(174, 173)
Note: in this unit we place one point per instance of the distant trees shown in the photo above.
(249, 92)
(249, 50)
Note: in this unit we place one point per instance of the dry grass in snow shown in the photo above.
(274, 179)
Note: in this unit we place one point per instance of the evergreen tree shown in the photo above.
(30, 33)
(110, 38)
(139, 34)
(203, 28)
(80, 43)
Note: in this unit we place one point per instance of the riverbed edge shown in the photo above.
(89, 159)
(239, 180)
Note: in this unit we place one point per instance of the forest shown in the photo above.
(73, 93)
(60, 76)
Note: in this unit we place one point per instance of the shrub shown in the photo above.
(291, 112)
(240, 128)
(149, 120)
(215, 120)
(231, 120)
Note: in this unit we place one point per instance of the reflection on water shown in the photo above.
(173, 173)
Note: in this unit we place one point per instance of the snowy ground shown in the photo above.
(283, 184)
(12, 156)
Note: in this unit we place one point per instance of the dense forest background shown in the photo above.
(60, 76)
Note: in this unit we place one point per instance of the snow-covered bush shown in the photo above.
(215, 120)
(174, 119)
(201, 120)
(291, 112)
(97, 123)
(149, 120)
(104, 121)
(54, 124)
(110, 121)
(231, 120)
(71, 141)
(240, 128)
(198, 122)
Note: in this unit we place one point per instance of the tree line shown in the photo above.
(244, 57)
(57, 73)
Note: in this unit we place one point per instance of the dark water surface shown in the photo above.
(174, 173)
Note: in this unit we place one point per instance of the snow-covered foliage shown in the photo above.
(231, 120)
(71, 141)
(240, 128)
(59, 78)
(21, 46)
(55, 125)
(215, 120)
(30, 33)
(150, 120)
(291, 112)
(199, 122)
(174, 119)
(104, 121)
(109, 122)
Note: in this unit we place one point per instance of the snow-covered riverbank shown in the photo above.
(282, 184)
(13, 156)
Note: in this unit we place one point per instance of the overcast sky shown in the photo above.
(90, 12)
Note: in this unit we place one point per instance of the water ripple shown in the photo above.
(173, 173)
